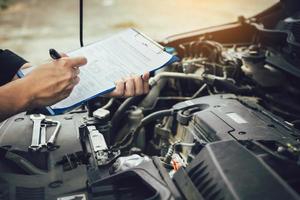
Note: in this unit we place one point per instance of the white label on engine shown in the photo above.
(237, 118)
(72, 197)
(189, 103)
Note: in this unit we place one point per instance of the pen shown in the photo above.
(54, 54)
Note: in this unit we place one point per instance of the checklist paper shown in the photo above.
(119, 56)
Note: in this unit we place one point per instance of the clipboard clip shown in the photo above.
(140, 37)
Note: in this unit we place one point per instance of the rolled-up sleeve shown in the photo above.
(10, 63)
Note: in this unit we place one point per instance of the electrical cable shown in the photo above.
(81, 22)
(184, 144)
(156, 115)
(108, 104)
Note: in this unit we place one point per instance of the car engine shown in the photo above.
(221, 123)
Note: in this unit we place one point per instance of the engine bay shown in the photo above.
(221, 123)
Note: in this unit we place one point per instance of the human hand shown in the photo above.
(131, 86)
(53, 81)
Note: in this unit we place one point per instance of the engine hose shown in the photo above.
(153, 94)
(119, 114)
(230, 87)
(153, 81)
(26, 165)
(156, 115)
(147, 101)
(146, 120)
(109, 103)
(159, 81)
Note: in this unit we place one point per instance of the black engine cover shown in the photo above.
(227, 170)
(226, 117)
(230, 166)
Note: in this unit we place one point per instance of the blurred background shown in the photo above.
(31, 27)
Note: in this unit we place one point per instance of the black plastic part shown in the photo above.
(186, 185)
(141, 182)
(4, 189)
(167, 179)
(284, 36)
(227, 170)
(39, 160)
(228, 116)
(16, 132)
(71, 161)
(183, 119)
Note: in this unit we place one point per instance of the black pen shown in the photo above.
(54, 54)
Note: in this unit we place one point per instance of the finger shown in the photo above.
(67, 92)
(72, 84)
(73, 73)
(146, 76)
(129, 87)
(138, 85)
(119, 91)
(146, 87)
(62, 54)
(77, 61)
(76, 80)
(76, 71)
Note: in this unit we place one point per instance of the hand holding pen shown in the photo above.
(55, 56)
(53, 81)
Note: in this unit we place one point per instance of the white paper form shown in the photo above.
(109, 60)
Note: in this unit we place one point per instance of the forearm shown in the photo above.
(14, 98)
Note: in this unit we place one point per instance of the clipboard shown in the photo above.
(109, 60)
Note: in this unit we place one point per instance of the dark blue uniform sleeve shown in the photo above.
(10, 63)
